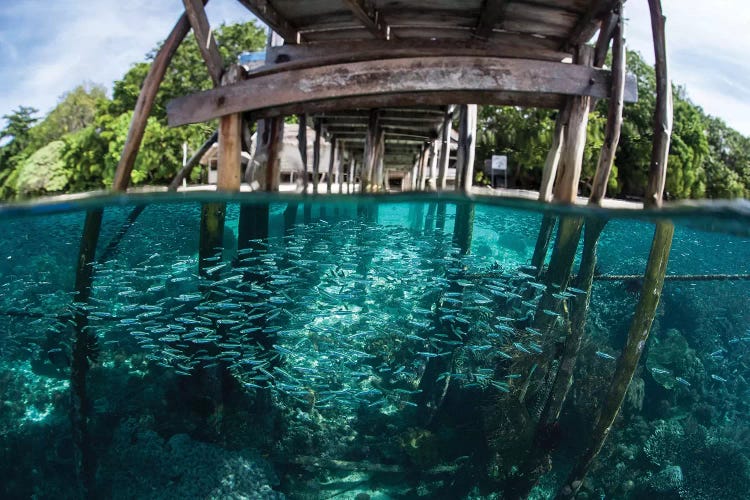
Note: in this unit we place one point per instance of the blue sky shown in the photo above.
(47, 48)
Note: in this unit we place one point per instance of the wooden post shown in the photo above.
(80, 412)
(370, 156)
(445, 149)
(206, 41)
(571, 160)
(657, 174)
(467, 128)
(421, 173)
(230, 142)
(340, 169)
(538, 456)
(470, 138)
(432, 180)
(350, 175)
(379, 161)
(331, 161)
(145, 102)
(192, 162)
(302, 142)
(316, 154)
(614, 116)
(553, 157)
(627, 363)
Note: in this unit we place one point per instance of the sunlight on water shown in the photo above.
(365, 348)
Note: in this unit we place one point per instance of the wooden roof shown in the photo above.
(411, 60)
(538, 24)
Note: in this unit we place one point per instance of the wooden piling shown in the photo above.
(80, 407)
(331, 162)
(627, 363)
(574, 142)
(370, 155)
(614, 115)
(657, 174)
(145, 102)
(302, 144)
(467, 130)
(445, 149)
(316, 154)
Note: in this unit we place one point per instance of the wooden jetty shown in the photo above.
(384, 81)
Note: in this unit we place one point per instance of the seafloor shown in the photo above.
(365, 350)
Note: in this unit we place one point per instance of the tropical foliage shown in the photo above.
(76, 147)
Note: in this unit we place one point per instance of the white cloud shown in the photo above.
(47, 48)
(54, 46)
(707, 43)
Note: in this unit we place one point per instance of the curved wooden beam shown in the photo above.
(393, 77)
(145, 102)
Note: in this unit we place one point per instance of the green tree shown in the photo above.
(16, 137)
(75, 110)
(43, 172)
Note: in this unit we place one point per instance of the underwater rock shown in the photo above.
(672, 362)
(141, 464)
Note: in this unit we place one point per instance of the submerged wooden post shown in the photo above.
(80, 412)
(627, 363)
(657, 174)
(571, 159)
(445, 149)
(614, 115)
(228, 179)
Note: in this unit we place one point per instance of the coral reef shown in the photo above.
(140, 464)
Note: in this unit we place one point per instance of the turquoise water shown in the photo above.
(364, 348)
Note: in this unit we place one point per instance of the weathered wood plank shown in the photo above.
(365, 11)
(288, 57)
(657, 174)
(490, 15)
(394, 76)
(205, 38)
(589, 23)
(145, 102)
(269, 15)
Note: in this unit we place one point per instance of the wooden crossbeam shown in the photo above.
(589, 23)
(365, 11)
(205, 38)
(501, 45)
(490, 16)
(269, 15)
(443, 77)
